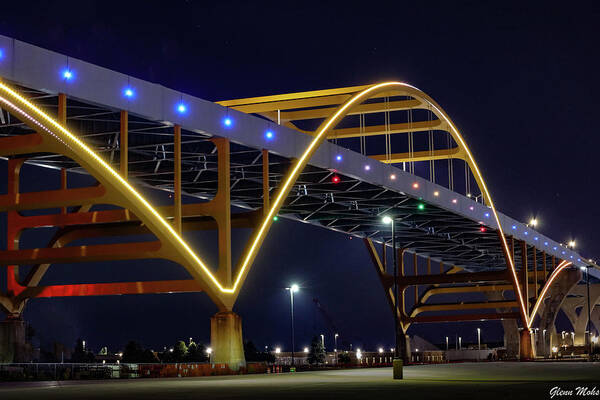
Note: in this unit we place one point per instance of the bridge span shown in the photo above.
(357, 160)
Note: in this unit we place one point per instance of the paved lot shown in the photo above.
(483, 381)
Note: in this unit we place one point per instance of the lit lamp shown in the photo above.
(293, 289)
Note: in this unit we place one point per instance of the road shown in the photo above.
(484, 381)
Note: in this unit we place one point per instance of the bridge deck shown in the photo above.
(447, 226)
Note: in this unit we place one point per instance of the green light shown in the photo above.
(421, 206)
(276, 218)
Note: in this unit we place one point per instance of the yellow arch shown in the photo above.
(65, 142)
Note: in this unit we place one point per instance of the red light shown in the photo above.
(335, 179)
(482, 229)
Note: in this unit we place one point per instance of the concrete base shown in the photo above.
(511, 338)
(226, 340)
(526, 346)
(12, 341)
(398, 364)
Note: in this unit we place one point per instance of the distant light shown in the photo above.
(554, 247)
(417, 350)
(527, 233)
(482, 229)
(276, 218)
(306, 349)
(269, 135)
(367, 167)
(514, 227)
(436, 193)
(535, 238)
(381, 350)
(454, 201)
(487, 215)
(393, 176)
(415, 185)
(181, 108)
(590, 260)
(67, 74)
(571, 243)
(128, 92)
(277, 350)
(563, 252)
(335, 179)
(545, 243)
(421, 206)
(209, 350)
(469, 195)
(386, 220)
(338, 157)
(471, 208)
(533, 222)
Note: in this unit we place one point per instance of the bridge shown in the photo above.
(380, 162)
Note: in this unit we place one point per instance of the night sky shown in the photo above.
(518, 80)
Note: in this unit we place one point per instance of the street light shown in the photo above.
(478, 338)
(323, 341)
(533, 222)
(446, 343)
(572, 244)
(293, 289)
(335, 342)
(389, 220)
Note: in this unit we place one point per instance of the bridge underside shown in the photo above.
(226, 185)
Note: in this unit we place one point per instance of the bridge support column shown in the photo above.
(511, 338)
(226, 340)
(551, 305)
(12, 341)
(527, 350)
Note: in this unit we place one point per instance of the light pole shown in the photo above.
(446, 343)
(478, 338)
(294, 288)
(589, 310)
(335, 347)
(398, 359)
(460, 343)
(323, 341)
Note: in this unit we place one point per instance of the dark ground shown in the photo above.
(483, 381)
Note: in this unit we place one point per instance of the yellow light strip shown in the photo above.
(564, 264)
(104, 167)
(283, 190)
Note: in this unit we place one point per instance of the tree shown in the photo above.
(197, 352)
(180, 351)
(316, 354)
(133, 352)
(252, 354)
(343, 358)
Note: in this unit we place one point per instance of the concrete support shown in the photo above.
(578, 301)
(511, 330)
(226, 340)
(526, 348)
(12, 341)
(554, 299)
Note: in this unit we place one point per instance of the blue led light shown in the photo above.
(67, 74)
(545, 243)
(535, 238)
(227, 121)
(338, 157)
(514, 227)
(269, 135)
(579, 259)
(181, 108)
(527, 233)
(129, 93)
(571, 256)
(563, 252)
(554, 247)
(1, 54)
(487, 215)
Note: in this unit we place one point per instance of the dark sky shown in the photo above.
(518, 79)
